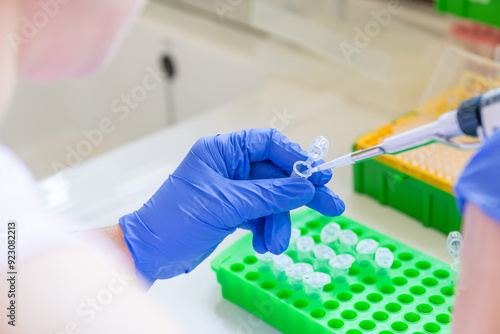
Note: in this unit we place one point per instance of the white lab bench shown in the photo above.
(101, 190)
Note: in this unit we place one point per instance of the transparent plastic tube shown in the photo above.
(454, 244)
(318, 148)
(294, 236)
(281, 264)
(265, 264)
(383, 259)
(348, 240)
(330, 235)
(341, 265)
(323, 255)
(314, 284)
(366, 248)
(304, 247)
(295, 274)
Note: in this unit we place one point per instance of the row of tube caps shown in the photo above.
(332, 259)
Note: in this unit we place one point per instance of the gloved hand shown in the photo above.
(480, 182)
(227, 181)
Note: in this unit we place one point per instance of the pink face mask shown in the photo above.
(68, 38)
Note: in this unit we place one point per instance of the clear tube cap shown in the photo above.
(266, 257)
(305, 244)
(322, 252)
(330, 233)
(384, 257)
(295, 235)
(367, 246)
(282, 262)
(343, 261)
(298, 270)
(348, 237)
(318, 148)
(317, 280)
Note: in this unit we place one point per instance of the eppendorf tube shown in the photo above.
(265, 262)
(383, 259)
(323, 254)
(304, 247)
(341, 265)
(454, 244)
(366, 248)
(348, 240)
(314, 284)
(318, 148)
(296, 272)
(330, 235)
(281, 263)
(294, 236)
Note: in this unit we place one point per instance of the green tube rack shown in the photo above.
(417, 298)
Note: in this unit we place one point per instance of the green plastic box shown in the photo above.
(485, 11)
(416, 298)
(432, 206)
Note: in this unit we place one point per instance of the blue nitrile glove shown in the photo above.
(480, 180)
(227, 181)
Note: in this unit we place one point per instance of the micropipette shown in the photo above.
(476, 117)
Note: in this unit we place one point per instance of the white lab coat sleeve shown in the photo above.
(66, 282)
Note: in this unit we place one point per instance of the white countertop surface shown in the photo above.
(103, 189)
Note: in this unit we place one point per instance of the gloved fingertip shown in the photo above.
(334, 208)
(340, 207)
(277, 232)
(326, 176)
(258, 245)
(258, 242)
(298, 190)
(321, 178)
(327, 202)
(277, 248)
